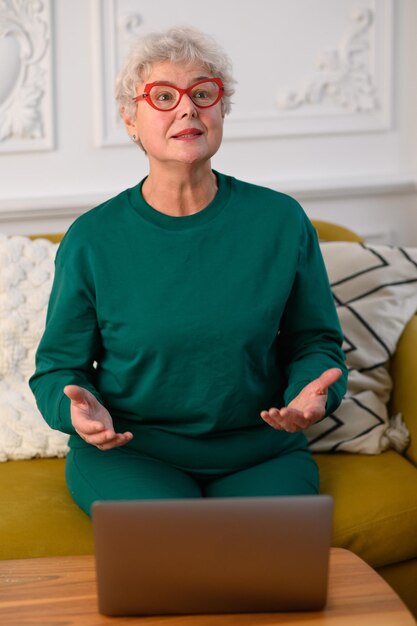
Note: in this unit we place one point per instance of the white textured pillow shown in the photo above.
(26, 273)
(375, 290)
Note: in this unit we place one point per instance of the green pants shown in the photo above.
(125, 474)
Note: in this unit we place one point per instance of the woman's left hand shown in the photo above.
(306, 408)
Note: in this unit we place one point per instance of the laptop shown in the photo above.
(212, 555)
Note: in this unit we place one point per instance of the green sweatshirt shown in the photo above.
(185, 328)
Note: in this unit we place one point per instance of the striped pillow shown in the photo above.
(375, 291)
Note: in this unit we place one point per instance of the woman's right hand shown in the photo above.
(92, 421)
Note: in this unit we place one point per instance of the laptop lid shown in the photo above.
(212, 555)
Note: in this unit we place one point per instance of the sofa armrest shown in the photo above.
(404, 394)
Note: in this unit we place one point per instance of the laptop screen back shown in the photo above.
(212, 555)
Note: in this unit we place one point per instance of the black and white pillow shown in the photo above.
(375, 291)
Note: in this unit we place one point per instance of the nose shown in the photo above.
(186, 107)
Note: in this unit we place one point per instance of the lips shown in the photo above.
(188, 132)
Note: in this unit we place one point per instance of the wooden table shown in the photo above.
(61, 591)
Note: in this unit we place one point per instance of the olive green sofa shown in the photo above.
(375, 497)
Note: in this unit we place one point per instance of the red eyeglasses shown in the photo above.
(163, 97)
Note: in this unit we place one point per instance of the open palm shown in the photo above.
(92, 421)
(306, 408)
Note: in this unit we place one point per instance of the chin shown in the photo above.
(191, 161)
(193, 156)
(189, 158)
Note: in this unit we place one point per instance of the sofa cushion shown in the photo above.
(37, 515)
(375, 290)
(375, 508)
(375, 504)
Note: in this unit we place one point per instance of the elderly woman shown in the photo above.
(191, 333)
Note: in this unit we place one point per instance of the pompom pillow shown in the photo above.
(26, 273)
(375, 291)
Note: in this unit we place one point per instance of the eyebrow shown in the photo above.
(168, 82)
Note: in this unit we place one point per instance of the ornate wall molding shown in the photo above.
(350, 92)
(114, 30)
(129, 25)
(25, 79)
(343, 75)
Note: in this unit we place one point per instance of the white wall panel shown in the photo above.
(324, 105)
(26, 114)
(332, 77)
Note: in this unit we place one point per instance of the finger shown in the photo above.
(292, 420)
(292, 415)
(77, 394)
(273, 414)
(105, 436)
(311, 412)
(326, 379)
(272, 417)
(87, 426)
(119, 440)
(282, 424)
(289, 419)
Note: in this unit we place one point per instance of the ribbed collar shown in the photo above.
(185, 222)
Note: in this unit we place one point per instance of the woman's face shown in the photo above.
(158, 131)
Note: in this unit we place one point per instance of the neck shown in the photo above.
(180, 191)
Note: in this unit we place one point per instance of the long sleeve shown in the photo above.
(310, 337)
(195, 323)
(71, 340)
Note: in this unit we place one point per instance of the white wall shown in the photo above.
(333, 123)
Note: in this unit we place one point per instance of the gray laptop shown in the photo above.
(212, 555)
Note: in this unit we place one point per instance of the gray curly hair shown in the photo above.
(180, 44)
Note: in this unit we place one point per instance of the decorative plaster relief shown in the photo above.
(351, 91)
(114, 31)
(343, 74)
(129, 26)
(25, 68)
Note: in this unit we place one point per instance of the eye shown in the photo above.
(201, 94)
(163, 96)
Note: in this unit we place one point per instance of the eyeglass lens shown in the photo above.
(166, 97)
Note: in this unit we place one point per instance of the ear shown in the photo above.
(128, 122)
